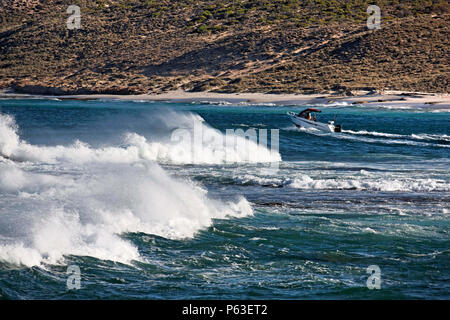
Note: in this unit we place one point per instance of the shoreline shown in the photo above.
(396, 99)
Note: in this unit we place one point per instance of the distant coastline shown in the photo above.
(395, 99)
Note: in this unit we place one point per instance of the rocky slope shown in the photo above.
(273, 46)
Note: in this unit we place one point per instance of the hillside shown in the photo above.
(273, 46)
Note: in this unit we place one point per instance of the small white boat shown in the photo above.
(305, 120)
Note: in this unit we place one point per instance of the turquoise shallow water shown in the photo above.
(104, 185)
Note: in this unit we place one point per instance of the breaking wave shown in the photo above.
(79, 200)
(188, 140)
(364, 182)
(380, 184)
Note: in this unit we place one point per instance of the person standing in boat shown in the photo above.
(308, 117)
(306, 114)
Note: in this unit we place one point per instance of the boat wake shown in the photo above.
(420, 139)
(420, 136)
(417, 139)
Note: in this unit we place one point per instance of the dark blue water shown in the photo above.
(104, 186)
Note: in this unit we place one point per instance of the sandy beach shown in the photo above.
(394, 99)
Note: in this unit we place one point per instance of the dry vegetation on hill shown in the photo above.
(226, 46)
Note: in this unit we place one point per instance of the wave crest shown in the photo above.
(201, 144)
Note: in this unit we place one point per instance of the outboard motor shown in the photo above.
(338, 128)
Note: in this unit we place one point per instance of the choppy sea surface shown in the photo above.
(124, 191)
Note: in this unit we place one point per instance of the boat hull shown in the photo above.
(308, 124)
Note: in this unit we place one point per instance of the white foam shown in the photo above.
(374, 133)
(91, 197)
(13, 179)
(237, 102)
(86, 216)
(415, 136)
(9, 139)
(333, 104)
(369, 230)
(359, 136)
(302, 129)
(212, 148)
(386, 138)
(372, 184)
(425, 136)
(364, 181)
(410, 107)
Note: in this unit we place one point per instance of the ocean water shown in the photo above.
(114, 188)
